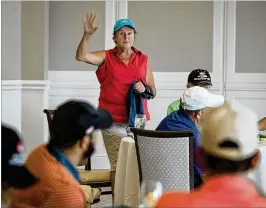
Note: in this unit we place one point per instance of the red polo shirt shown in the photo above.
(115, 78)
(218, 191)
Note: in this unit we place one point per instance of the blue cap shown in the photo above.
(123, 22)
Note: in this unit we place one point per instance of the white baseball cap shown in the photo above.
(230, 132)
(196, 98)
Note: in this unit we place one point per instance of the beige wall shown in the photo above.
(32, 44)
(176, 35)
(23, 40)
(11, 40)
(250, 37)
(65, 32)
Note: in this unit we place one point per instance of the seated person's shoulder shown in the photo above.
(35, 161)
(175, 121)
(38, 151)
(261, 202)
(175, 103)
(42, 165)
(173, 106)
(172, 199)
(66, 197)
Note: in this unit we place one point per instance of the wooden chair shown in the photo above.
(95, 179)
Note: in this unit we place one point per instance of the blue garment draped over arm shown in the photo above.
(134, 103)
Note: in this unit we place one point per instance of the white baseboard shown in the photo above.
(170, 85)
(84, 85)
(24, 100)
(22, 104)
(11, 103)
(34, 124)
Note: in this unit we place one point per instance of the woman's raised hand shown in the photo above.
(90, 26)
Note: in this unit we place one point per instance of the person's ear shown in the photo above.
(255, 160)
(189, 85)
(198, 114)
(114, 37)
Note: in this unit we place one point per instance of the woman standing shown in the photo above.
(117, 69)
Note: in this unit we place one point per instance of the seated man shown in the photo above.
(189, 117)
(202, 78)
(198, 77)
(228, 149)
(14, 173)
(54, 164)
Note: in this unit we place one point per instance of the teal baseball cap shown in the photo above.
(123, 22)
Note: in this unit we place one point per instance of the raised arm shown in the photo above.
(82, 54)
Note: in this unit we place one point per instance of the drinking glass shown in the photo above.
(150, 192)
(140, 121)
(262, 136)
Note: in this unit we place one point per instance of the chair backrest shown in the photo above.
(166, 156)
(49, 114)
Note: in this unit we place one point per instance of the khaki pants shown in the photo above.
(112, 138)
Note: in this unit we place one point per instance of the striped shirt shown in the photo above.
(56, 187)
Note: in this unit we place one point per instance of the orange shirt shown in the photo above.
(56, 187)
(217, 191)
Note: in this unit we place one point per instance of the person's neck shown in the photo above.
(196, 121)
(73, 157)
(124, 51)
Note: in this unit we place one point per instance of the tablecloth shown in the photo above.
(127, 185)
